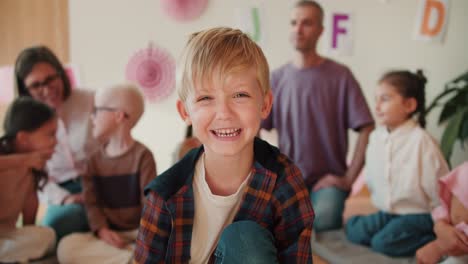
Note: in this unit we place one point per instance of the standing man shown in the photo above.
(316, 101)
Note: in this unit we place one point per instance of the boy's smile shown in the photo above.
(227, 133)
(226, 112)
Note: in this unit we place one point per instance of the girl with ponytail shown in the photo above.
(403, 164)
(29, 141)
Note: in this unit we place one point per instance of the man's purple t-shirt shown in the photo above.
(313, 109)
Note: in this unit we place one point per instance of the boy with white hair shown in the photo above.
(114, 182)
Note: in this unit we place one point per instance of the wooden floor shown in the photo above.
(318, 260)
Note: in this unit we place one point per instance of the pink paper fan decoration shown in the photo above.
(184, 10)
(153, 69)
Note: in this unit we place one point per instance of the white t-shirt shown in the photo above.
(212, 214)
(75, 144)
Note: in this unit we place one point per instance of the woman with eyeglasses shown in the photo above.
(40, 75)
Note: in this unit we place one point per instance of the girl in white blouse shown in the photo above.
(403, 164)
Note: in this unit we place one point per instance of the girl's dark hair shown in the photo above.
(30, 57)
(25, 114)
(410, 85)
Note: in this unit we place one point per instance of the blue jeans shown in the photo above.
(246, 242)
(67, 219)
(391, 234)
(328, 205)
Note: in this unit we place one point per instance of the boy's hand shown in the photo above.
(452, 240)
(429, 254)
(74, 198)
(110, 237)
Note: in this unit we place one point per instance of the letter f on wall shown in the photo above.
(337, 29)
(340, 35)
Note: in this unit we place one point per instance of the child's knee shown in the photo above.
(48, 237)
(354, 233)
(327, 218)
(246, 242)
(245, 231)
(379, 243)
(67, 247)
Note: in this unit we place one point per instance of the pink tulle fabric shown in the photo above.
(454, 183)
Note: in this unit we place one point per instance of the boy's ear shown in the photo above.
(119, 116)
(267, 103)
(411, 104)
(183, 112)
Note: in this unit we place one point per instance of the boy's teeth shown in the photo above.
(227, 132)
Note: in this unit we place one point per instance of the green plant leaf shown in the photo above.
(463, 135)
(451, 133)
(453, 104)
(464, 76)
(449, 109)
(436, 100)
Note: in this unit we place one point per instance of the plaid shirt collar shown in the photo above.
(180, 200)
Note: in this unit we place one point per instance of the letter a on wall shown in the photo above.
(432, 20)
(339, 34)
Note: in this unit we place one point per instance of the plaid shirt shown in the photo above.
(276, 198)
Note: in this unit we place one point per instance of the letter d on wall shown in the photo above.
(432, 20)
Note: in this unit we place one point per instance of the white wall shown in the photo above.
(105, 33)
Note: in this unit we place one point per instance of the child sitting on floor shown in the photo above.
(403, 164)
(114, 182)
(28, 143)
(451, 221)
(236, 199)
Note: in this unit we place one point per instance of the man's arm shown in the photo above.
(345, 183)
(359, 156)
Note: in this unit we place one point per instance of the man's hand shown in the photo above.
(111, 237)
(73, 198)
(330, 180)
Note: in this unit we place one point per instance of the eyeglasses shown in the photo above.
(96, 109)
(36, 86)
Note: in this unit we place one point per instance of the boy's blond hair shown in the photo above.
(224, 50)
(125, 97)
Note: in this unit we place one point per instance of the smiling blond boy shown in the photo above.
(236, 199)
